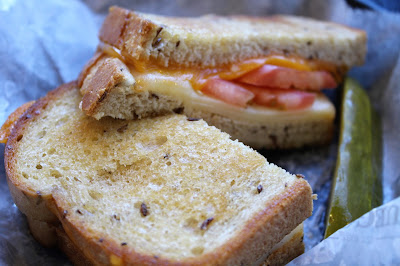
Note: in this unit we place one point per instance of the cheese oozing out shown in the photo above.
(186, 84)
(198, 76)
(155, 82)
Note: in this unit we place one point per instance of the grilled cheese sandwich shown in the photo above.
(269, 92)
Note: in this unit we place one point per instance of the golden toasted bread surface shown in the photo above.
(161, 190)
(212, 40)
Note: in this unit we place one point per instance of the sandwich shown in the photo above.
(258, 79)
(162, 190)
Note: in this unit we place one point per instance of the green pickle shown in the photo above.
(356, 186)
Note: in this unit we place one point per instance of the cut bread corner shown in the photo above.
(115, 186)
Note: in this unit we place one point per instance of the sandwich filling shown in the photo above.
(276, 82)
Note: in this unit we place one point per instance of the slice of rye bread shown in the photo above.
(109, 89)
(161, 190)
(49, 235)
(211, 40)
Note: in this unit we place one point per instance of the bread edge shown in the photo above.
(279, 217)
(33, 204)
(131, 32)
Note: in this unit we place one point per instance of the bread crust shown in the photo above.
(86, 69)
(43, 232)
(283, 213)
(50, 236)
(289, 251)
(258, 236)
(8, 126)
(211, 40)
(114, 26)
(70, 249)
(109, 74)
(277, 135)
(33, 204)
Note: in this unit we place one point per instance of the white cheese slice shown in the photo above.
(179, 87)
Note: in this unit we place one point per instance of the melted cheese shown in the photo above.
(198, 76)
(181, 88)
(185, 84)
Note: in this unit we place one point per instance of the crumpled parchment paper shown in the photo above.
(373, 239)
(45, 43)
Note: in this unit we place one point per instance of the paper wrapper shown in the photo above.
(46, 43)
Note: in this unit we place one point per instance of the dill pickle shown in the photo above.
(356, 186)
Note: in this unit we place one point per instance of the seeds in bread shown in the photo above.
(96, 175)
(106, 85)
(305, 131)
(211, 40)
(151, 41)
(156, 94)
(286, 250)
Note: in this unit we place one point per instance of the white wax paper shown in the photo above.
(45, 43)
(373, 239)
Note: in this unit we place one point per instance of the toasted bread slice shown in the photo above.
(290, 247)
(162, 190)
(211, 40)
(51, 235)
(8, 125)
(109, 89)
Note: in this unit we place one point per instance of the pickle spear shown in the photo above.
(356, 186)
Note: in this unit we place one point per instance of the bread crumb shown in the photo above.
(314, 196)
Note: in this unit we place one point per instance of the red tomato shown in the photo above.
(285, 99)
(287, 78)
(227, 91)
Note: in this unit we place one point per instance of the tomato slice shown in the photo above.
(227, 91)
(287, 78)
(241, 94)
(285, 99)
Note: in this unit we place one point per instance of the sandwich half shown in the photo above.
(168, 190)
(258, 79)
